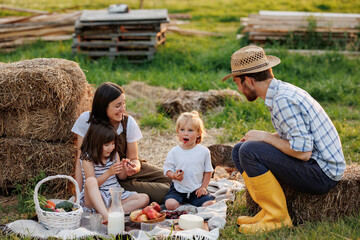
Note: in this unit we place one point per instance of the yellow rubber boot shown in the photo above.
(245, 219)
(270, 197)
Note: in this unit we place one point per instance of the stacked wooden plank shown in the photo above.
(277, 25)
(15, 31)
(135, 34)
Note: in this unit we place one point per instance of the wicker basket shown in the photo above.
(59, 220)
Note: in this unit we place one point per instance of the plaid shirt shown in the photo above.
(301, 120)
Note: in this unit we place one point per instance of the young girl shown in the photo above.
(189, 165)
(100, 163)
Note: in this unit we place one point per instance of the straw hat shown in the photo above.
(250, 59)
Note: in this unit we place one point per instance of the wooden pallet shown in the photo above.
(135, 36)
(119, 44)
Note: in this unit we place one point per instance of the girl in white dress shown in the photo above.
(101, 164)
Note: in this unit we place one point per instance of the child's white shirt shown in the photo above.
(194, 162)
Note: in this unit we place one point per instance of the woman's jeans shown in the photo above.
(256, 158)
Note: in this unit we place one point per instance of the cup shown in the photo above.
(95, 222)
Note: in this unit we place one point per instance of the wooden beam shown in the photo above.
(23, 10)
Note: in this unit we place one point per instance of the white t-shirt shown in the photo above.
(194, 162)
(133, 132)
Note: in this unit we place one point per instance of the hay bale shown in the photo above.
(22, 159)
(221, 157)
(36, 83)
(2, 123)
(341, 201)
(42, 98)
(142, 90)
(180, 101)
(44, 124)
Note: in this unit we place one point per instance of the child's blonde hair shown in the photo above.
(196, 121)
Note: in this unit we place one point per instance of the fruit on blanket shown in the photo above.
(146, 209)
(135, 214)
(156, 206)
(152, 214)
(174, 214)
(142, 218)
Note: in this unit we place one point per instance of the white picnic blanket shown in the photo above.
(215, 215)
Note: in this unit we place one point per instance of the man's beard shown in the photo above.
(251, 95)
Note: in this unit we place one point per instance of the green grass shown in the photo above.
(199, 63)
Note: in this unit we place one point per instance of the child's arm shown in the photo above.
(90, 171)
(177, 175)
(123, 173)
(203, 189)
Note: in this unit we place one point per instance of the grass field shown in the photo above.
(199, 63)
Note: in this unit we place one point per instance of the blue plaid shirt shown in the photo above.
(301, 120)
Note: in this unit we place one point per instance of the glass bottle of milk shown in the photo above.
(116, 221)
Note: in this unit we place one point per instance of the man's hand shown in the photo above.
(178, 175)
(256, 135)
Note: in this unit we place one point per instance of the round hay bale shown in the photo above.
(142, 90)
(341, 201)
(180, 101)
(41, 82)
(45, 124)
(22, 159)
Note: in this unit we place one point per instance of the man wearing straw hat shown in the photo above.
(305, 151)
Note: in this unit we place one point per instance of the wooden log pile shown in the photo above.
(278, 25)
(16, 31)
(135, 34)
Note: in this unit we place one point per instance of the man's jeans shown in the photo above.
(256, 158)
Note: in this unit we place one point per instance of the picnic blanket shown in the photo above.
(215, 215)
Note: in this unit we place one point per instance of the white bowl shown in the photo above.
(189, 221)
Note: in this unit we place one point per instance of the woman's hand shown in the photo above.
(130, 167)
(178, 175)
(201, 191)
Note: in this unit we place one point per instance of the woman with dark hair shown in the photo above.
(109, 108)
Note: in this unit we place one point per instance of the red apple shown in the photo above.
(135, 214)
(142, 218)
(151, 214)
(156, 206)
(146, 209)
(158, 215)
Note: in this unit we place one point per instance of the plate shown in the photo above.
(159, 219)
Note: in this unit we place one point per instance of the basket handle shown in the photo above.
(36, 200)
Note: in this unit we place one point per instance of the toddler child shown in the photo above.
(189, 165)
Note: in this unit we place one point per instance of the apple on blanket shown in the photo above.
(148, 213)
